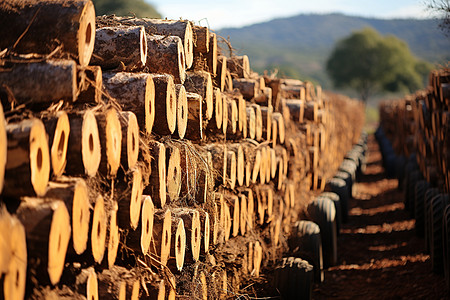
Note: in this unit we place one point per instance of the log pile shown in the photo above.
(139, 161)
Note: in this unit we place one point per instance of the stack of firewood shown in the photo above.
(137, 159)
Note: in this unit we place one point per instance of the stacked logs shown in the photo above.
(138, 160)
(414, 139)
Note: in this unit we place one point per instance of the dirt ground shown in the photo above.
(380, 257)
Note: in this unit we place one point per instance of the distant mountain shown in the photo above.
(299, 46)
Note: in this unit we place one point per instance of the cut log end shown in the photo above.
(179, 246)
(182, 110)
(92, 286)
(80, 216)
(3, 147)
(110, 131)
(86, 34)
(130, 139)
(90, 144)
(59, 144)
(136, 197)
(113, 237)
(98, 230)
(15, 277)
(148, 211)
(173, 173)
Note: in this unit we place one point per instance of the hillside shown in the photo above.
(300, 45)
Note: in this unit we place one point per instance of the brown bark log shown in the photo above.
(220, 280)
(232, 114)
(228, 81)
(74, 28)
(219, 161)
(180, 28)
(296, 109)
(130, 139)
(264, 97)
(139, 239)
(221, 76)
(292, 91)
(182, 110)
(248, 87)
(239, 66)
(26, 82)
(214, 126)
(157, 186)
(91, 89)
(113, 236)
(266, 113)
(98, 229)
(250, 209)
(47, 228)
(278, 117)
(165, 104)
(83, 152)
(28, 161)
(166, 55)
(311, 111)
(174, 172)
(201, 39)
(191, 219)
(178, 248)
(160, 245)
(154, 290)
(212, 54)
(194, 128)
(130, 199)
(74, 193)
(251, 122)
(135, 93)
(274, 134)
(13, 261)
(120, 46)
(58, 128)
(258, 122)
(233, 204)
(110, 134)
(200, 82)
(243, 214)
(240, 162)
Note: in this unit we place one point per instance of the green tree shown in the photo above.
(139, 8)
(369, 62)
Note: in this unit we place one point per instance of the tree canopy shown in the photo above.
(369, 62)
(139, 8)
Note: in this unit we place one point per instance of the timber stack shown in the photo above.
(139, 160)
(414, 139)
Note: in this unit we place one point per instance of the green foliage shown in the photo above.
(369, 62)
(139, 8)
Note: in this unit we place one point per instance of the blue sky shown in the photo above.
(237, 13)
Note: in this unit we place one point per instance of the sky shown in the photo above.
(238, 13)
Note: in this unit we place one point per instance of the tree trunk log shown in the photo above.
(231, 169)
(166, 55)
(13, 261)
(201, 39)
(200, 83)
(129, 199)
(157, 186)
(278, 117)
(86, 283)
(113, 236)
(120, 46)
(47, 228)
(83, 152)
(139, 239)
(165, 104)
(205, 225)
(266, 113)
(74, 193)
(174, 172)
(178, 248)
(182, 111)
(239, 66)
(251, 122)
(248, 87)
(25, 81)
(212, 54)
(233, 116)
(28, 161)
(160, 245)
(191, 219)
(215, 124)
(274, 132)
(3, 148)
(240, 162)
(232, 202)
(258, 122)
(296, 109)
(243, 214)
(250, 209)
(194, 128)
(116, 283)
(135, 93)
(180, 28)
(110, 134)
(71, 23)
(221, 76)
(98, 229)
(130, 139)
(58, 128)
(311, 111)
